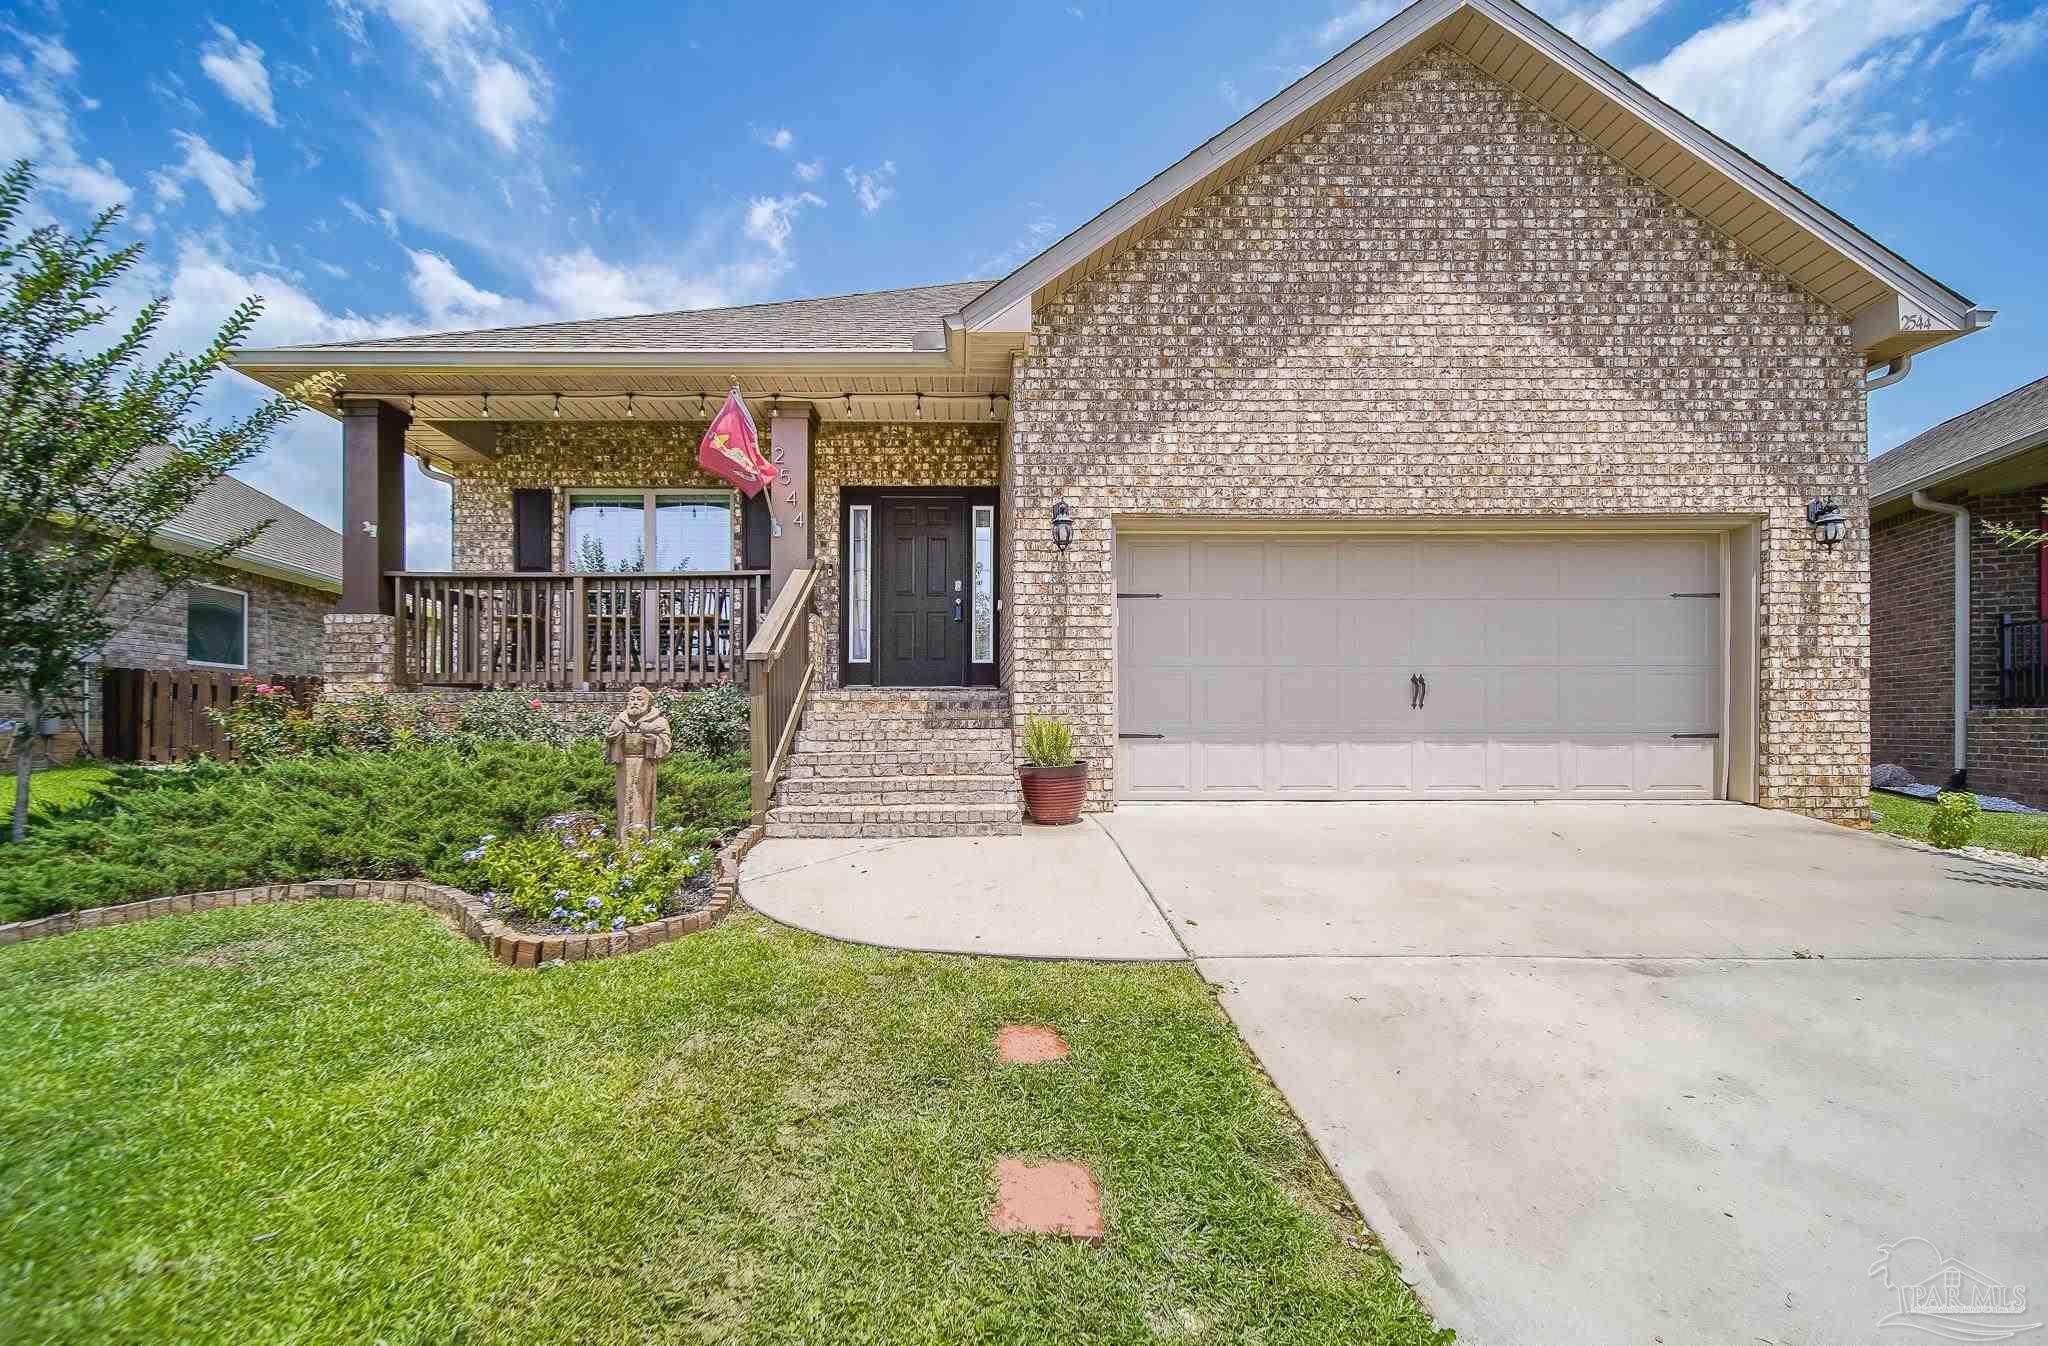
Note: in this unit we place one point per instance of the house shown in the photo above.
(1958, 693)
(264, 617)
(1454, 425)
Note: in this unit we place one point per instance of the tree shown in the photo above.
(2010, 536)
(99, 451)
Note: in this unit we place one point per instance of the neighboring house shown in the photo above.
(1444, 428)
(1949, 696)
(263, 617)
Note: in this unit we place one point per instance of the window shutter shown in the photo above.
(754, 532)
(533, 527)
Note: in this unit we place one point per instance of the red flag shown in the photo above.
(731, 449)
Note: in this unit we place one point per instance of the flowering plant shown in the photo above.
(588, 881)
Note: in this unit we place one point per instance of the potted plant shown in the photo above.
(1054, 783)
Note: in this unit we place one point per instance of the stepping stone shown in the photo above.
(1054, 1198)
(1029, 1044)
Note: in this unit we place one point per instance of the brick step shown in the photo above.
(842, 791)
(905, 739)
(986, 720)
(894, 820)
(785, 829)
(870, 766)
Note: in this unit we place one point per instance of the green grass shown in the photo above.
(63, 787)
(2020, 833)
(338, 1122)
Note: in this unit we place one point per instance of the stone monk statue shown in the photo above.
(638, 738)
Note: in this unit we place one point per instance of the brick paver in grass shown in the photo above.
(1052, 1198)
(1029, 1044)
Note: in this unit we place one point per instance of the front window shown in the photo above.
(859, 585)
(619, 531)
(217, 626)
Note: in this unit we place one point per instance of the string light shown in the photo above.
(847, 398)
(558, 406)
(920, 405)
(412, 403)
(991, 406)
(700, 404)
(487, 406)
(630, 410)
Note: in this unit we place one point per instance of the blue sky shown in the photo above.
(373, 167)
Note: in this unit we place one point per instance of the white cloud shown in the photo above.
(506, 87)
(779, 138)
(1607, 21)
(1039, 232)
(236, 67)
(810, 170)
(2005, 42)
(1920, 137)
(35, 123)
(1227, 90)
(1791, 81)
(874, 186)
(771, 219)
(1351, 22)
(449, 300)
(390, 221)
(230, 182)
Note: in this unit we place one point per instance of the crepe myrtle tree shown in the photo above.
(2010, 536)
(100, 449)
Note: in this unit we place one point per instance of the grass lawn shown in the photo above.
(2020, 833)
(338, 1122)
(62, 787)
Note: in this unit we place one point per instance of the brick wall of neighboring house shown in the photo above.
(1441, 302)
(544, 454)
(1912, 624)
(854, 454)
(284, 638)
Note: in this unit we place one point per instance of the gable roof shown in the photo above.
(295, 548)
(1982, 437)
(877, 320)
(1899, 308)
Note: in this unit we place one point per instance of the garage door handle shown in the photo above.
(1695, 736)
(1141, 736)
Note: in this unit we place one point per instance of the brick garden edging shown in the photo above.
(511, 947)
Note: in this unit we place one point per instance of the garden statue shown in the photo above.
(638, 738)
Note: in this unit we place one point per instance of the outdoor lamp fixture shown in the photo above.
(1062, 525)
(1827, 520)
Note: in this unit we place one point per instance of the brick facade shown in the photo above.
(547, 455)
(854, 454)
(1441, 302)
(1912, 626)
(284, 639)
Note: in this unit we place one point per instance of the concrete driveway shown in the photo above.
(1638, 1073)
(1600, 1074)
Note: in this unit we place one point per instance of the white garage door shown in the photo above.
(1457, 667)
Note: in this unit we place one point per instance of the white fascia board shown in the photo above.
(1359, 59)
(411, 358)
(1928, 481)
(189, 544)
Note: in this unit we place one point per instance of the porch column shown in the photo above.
(789, 448)
(372, 504)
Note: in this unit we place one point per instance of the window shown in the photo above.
(617, 531)
(859, 585)
(984, 584)
(217, 626)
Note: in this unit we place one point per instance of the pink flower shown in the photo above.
(534, 704)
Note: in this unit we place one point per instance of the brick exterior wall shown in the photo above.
(855, 454)
(1912, 625)
(545, 454)
(284, 638)
(362, 654)
(1441, 302)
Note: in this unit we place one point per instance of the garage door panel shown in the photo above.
(1302, 631)
(1556, 667)
(1375, 631)
(1450, 632)
(1376, 567)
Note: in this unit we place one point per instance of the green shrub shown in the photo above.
(1954, 819)
(1048, 742)
(712, 723)
(402, 813)
(588, 882)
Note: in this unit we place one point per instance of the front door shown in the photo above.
(921, 576)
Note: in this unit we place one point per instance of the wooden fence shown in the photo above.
(155, 715)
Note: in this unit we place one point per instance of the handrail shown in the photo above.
(779, 673)
(575, 574)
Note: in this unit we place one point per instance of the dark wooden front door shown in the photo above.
(921, 592)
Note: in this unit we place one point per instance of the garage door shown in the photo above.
(1428, 667)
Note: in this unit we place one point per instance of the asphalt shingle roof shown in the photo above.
(2008, 421)
(230, 507)
(877, 320)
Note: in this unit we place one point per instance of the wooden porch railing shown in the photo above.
(523, 629)
(779, 674)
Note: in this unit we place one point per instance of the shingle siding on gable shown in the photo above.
(1442, 303)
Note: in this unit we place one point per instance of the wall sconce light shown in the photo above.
(1062, 525)
(1828, 521)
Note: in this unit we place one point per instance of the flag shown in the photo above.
(731, 449)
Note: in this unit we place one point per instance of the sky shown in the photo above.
(375, 167)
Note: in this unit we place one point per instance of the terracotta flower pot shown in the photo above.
(1053, 794)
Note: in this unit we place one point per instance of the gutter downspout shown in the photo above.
(1897, 368)
(1962, 633)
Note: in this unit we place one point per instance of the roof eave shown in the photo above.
(1947, 312)
(412, 357)
(1929, 481)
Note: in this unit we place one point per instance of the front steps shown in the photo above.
(900, 762)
